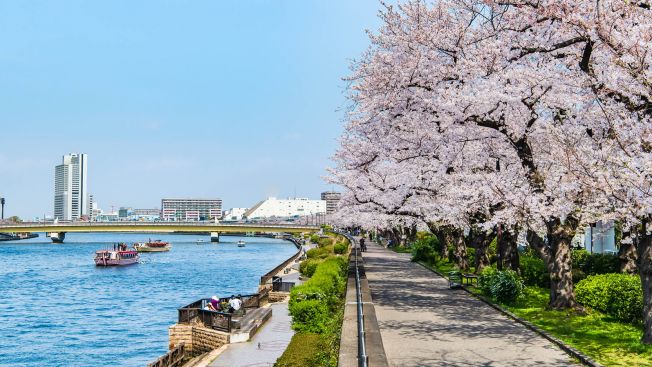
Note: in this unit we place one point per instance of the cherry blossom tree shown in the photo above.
(502, 115)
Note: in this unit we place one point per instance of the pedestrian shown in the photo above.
(363, 246)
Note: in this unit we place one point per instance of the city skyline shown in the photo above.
(248, 106)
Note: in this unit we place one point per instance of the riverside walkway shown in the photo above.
(265, 347)
(424, 323)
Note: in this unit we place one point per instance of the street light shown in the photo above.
(2, 204)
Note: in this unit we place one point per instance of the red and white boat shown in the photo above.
(153, 246)
(117, 256)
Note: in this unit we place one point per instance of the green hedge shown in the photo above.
(308, 267)
(301, 351)
(591, 264)
(618, 295)
(312, 303)
(318, 253)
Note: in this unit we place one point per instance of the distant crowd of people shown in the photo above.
(226, 304)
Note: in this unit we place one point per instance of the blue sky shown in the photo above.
(238, 100)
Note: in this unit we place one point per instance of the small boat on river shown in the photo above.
(241, 243)
(116, 257)
(153, 246)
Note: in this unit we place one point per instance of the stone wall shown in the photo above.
(196, 338)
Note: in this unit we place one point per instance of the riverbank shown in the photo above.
(93, 312)
(210, 345)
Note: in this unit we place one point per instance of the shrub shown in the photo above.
(309, 267)
(314, 238)
(325, 241)
(340, 248)
(578, 258)
(504, 286)
(486, 278)
(578, 275)
(507, 286)
(534, 271)
(618, 295)
(317, 253)
(423, 251)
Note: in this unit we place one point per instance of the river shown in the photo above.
(58, 309)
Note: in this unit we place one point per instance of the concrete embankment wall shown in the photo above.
(197, 340)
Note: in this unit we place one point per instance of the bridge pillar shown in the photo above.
(215, 236)
(57, 237)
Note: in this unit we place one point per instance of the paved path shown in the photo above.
(265, 347)
(424, 323)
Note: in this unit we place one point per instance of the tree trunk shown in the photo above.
(459, 251)
(557, 256)
(628, 255)
(645, 269)
(480, 241)
(443, 245)
(507, 249)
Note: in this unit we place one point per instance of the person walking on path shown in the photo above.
(424, 323)
(363, 246)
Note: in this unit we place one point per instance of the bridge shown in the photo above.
(57, 231)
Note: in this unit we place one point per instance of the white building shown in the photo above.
(235, 213)
(70, 181)
(273, 207)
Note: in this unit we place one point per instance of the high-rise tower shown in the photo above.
(70, 195)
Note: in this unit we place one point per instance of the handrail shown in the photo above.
(160, 223)
(362, 350)
(270, 274)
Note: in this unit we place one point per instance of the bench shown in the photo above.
(469, 279)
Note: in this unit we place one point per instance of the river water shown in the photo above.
(58, 309)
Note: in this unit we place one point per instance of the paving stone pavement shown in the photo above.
(265, 347)
(424, 323)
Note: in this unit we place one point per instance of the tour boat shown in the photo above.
(241, 243)
(117, 256)
(152, 246)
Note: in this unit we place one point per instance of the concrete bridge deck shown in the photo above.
(57, 231)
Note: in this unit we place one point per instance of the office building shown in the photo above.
(273, 207)
(191, 209)
(70, 182)
(92, 210)
(332, 199)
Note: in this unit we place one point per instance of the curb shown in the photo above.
(583, 358)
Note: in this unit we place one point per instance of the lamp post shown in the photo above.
(2, 204)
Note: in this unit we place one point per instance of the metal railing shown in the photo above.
(215, 319)
(158, 223)
(362, 351)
